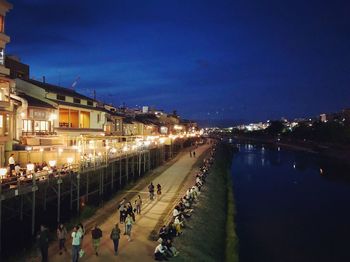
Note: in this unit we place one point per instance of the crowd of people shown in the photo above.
(17, 173)
(127, 217)
(181, 213)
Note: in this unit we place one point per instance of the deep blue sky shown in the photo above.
(237, 60)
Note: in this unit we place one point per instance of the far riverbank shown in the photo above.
(337, 152)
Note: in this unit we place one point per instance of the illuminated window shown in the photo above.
(2, 23)
(41, 126)
(84, 119)
(2, 56)
(4, 91)
(27, 126)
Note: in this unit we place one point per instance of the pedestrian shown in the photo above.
(151, 191)
(96, 235)
(130, 211)
(76, 242)
(138, 203)
(12, 163)
(194, 153)
(123, 214)
(81, 229)
(190, 153)
(43, 238)
(129, 222)
(115, 236)
(121, 208)
(159, 189)
(61, 236)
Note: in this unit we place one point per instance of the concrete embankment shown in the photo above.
(210, 233)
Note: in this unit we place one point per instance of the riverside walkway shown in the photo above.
(140, 248)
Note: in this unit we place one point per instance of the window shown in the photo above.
(2, 56)
(41, 126)
(4, 124)
(76, 100)
(84, 119)
(61, 97)
(90, 103)
(27, 126)
(4, 91)
(2, 23)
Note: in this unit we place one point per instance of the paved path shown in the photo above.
(140, 248)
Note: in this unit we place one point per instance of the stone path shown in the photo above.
(140, 248)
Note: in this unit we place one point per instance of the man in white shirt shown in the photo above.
(76, 240)
(11, 163)
(159, 252)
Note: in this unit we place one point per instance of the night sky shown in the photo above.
(239, 60)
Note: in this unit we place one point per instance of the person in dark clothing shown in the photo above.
(96, 235)
(163, 232)
(115, 236)
(151, 191)
(43, 240)
(159, 189)
(194, 153)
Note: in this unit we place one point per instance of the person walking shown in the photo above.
(121, 209)
(129, 222)
(43, 238)
(190, 153)
(115, 236)
(96, 235)
(151, 191)
(81, 229)
(61, 236)
(76, 242)
(138, 204)
(194, 153)
(159, 190)
(12, 163)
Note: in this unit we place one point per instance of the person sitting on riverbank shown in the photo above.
(159, 253)
(163, 232)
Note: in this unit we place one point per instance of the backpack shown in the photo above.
(115, 234)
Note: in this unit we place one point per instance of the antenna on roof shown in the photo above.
(75, 82)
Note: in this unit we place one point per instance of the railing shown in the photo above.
(38, 133)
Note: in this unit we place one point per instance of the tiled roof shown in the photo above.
(58, 89)
(32, 101)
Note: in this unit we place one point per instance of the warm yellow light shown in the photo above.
(60, 150)
(30, 167)
(52, 163)
(3, 172)
(70, 160)
(52, 117)
(23, 114)
(41, 149)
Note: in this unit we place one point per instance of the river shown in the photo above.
(291, 206)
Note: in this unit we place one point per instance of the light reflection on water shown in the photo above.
(291, 206)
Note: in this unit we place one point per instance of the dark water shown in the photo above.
(291, 206)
